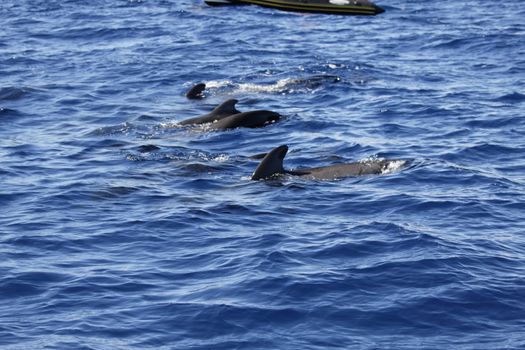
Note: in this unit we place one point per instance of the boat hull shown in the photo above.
(353, 7)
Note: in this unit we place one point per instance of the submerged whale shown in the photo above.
(272, 165)
(226, 116)
(286, 85)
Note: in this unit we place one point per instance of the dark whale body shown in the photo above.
(226, 116)
(252, 119)
(272, 165)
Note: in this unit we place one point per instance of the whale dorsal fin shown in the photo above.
(227, 107)
(222, 111)
(272, 164)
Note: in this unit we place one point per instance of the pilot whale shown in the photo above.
(251, 119)
(226, 116)
(272, 165)
(223, 110)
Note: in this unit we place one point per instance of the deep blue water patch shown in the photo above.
(122, 230)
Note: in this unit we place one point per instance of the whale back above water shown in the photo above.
(251, 119)
(222, 111)
(337, 171)
(272, 165)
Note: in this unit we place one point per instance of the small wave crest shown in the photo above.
(13, 93)
(511, 98)
(154, 153)
(8, 113)
(123, 128)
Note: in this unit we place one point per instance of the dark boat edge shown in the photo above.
(370, 9)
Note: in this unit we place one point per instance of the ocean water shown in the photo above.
(119, 229)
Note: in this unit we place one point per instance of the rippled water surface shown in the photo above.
(120, 229)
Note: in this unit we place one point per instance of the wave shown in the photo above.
(514, 97)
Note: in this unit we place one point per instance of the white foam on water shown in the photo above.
(390, 167)
(393, 166)
(370, 159)
(221, 158)
(169, 125)
(279, 86)
(214, 84)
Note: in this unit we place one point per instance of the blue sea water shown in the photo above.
(120, 229)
